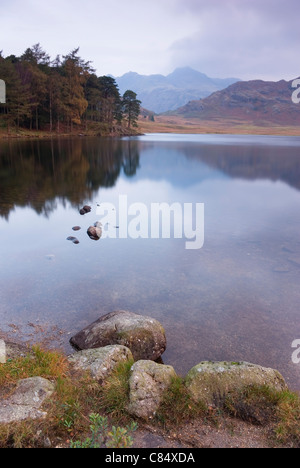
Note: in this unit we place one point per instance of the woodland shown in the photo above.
(61, 95)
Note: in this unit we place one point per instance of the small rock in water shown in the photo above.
(95, 232)
(85, 209)
(73, 239)
(76, 228)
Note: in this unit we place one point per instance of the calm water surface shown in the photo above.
(237, 298)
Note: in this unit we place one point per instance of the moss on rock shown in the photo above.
(210, 382)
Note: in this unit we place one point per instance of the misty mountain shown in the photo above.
(161, 93)
(257, 102)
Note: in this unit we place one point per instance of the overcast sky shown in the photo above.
(247, 39)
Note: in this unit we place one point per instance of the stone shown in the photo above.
(148, 382)
(144, 336)
(95, 232)
(73, 239)
(2, 352)
(100, 361)
(85, 209)
(26, 401)
(210, 382)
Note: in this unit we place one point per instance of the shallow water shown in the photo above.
(237, 298)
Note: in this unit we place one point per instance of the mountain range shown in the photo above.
(257, 101)
(160, 93)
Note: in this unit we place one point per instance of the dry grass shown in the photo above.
(177, 124)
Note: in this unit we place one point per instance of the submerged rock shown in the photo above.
(210, 382)
(73, 239)
(76, 228)
(144, 336)
(26, 401)
(50, 257)
(147, 383)
(100, 361)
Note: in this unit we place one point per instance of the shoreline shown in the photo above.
(210, 428)
(26, 134)
(162, 125)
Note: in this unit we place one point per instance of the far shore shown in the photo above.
(176, 124)
(23, 133)
(161, 124)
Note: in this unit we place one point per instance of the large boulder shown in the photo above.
(210, 382)
(26, 401)
(148, 382)
(100, 362)
(144, 336)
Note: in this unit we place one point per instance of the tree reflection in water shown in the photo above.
(38, 173)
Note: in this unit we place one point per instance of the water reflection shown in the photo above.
(38, 173)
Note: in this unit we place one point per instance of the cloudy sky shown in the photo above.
(247, 39)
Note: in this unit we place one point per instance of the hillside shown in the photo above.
(160, 93)
(253, 102)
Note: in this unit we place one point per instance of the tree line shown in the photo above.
(56, 95)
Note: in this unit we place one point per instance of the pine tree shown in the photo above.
(131, 108)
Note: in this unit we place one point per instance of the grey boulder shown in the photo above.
(148, 382)
(210, 382)
(26, 401)
(100, 362)
(144, 336)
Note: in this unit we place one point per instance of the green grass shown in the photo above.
(177, 405)
(115, 391)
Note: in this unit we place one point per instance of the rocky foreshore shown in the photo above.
(124, 336)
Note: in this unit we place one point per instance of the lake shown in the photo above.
(235, 298)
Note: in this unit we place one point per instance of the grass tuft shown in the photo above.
(177, 406)
(115, 391)
(37, 363)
